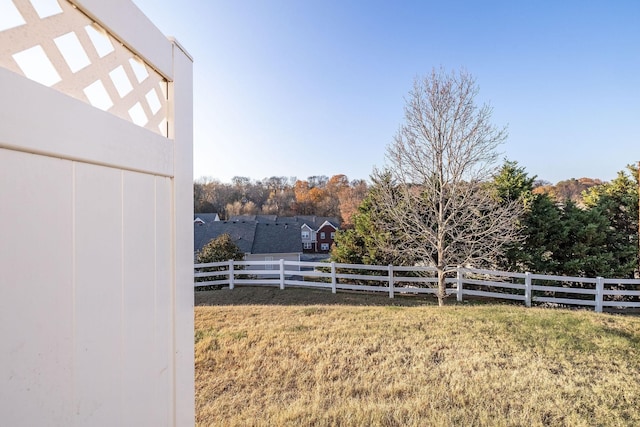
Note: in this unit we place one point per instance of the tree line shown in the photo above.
(317, 195)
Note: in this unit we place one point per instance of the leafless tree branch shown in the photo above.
(436, 201)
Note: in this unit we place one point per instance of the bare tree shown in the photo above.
(436, 199)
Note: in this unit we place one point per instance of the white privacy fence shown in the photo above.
(462, 282)
(96, 217)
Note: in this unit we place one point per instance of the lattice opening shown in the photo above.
(35, 65)
(99, 39)
(98, 95)
(46, 8)
(10, 16)
(71, 49)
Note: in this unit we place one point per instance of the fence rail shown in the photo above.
(463, 282)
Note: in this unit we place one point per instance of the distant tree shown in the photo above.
(241, 208)
(280, 196)
(350, 198)
(361, 242)
(569, 189)
(437, 202)
(512, 183)
(303, 204)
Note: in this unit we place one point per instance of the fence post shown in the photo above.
(527, 289)
(459, 273)
(390, 280)
(230, 274)
(599, 294)
(333, 277)
(281, 273)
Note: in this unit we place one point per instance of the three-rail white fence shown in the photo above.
(526, 287)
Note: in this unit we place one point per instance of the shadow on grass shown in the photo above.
(269, 295)
(294, 296)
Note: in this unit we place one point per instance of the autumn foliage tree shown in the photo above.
(317, 195)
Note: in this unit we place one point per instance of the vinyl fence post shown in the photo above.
(230, 274)
(281, 273)
(459, 274)
(527, 289)
(333, 277)
(390, 281)
(599, 294)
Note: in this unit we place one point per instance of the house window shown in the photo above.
(268, 266)
(324, 246)
(305, 235)
(322, 235)
(307, 245)
(333, 236)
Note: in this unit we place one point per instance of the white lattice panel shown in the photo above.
(53, 43)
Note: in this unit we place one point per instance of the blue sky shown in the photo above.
(301, 88)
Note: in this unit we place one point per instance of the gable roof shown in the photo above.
(327, 223)
(206, 217)
(257, 218)
(241, 232)
(272, 238)
(316, 222)
(251, 236)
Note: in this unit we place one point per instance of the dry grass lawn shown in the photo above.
(309, 358)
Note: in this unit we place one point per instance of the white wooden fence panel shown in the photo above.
(302, 283)
(359, 267)
(413, 290)
(619, 292)
(628, 304)
(388, 282)
(164, 323)
(564, 279)
(181, 115)
(415, 279)
(362, 277)
(37, 351)
(96, 244)
(621, 281)
(494, 284)
(138, 285)
(362, 287)
(487, 294)
(561, 289)
(494, 273)
(98, 296)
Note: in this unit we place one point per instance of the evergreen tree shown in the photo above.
(617, 201)
(220, 249)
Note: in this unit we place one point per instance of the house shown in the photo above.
(317, 233)
(260, 241)
(325, 236)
